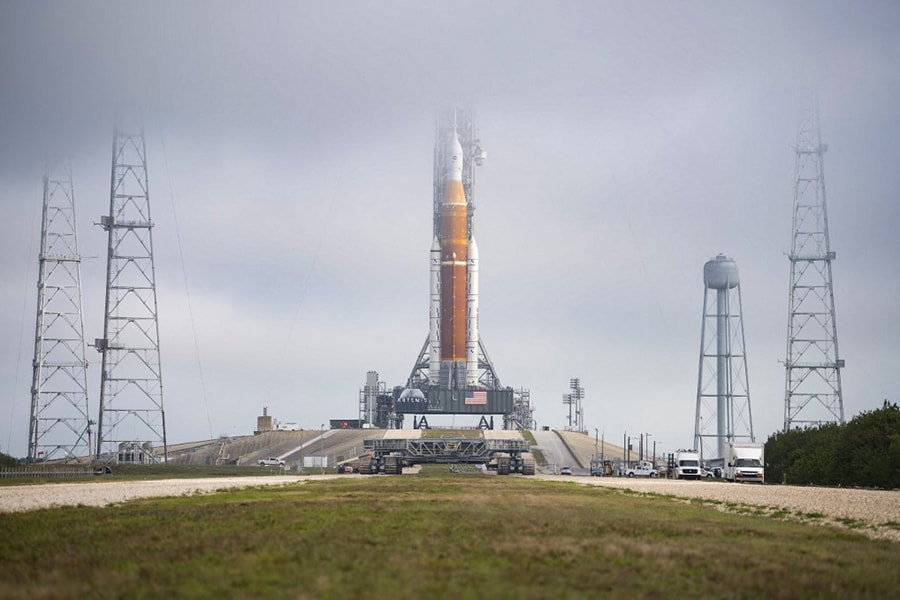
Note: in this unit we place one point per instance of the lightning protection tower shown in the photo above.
(132, 422)
(723, 389)
(59, 425)
(812, 366)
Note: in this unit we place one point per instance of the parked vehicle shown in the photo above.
(642, 469)
(601, 468)
(744, 462)
(271, 461)
(687, 465)
(565, 471)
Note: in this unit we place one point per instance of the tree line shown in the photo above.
(862, 453)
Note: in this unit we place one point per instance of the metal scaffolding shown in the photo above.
(132, 423)
(59, 427)
(812, 365)
(522, 415)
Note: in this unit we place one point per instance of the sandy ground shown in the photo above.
(875, 513)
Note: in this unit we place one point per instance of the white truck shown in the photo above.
(687, 465)
(744, 461)
(642, 469)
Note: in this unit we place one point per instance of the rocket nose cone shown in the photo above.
(472, 247)
(454, 157)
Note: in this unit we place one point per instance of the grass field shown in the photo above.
(433, 535)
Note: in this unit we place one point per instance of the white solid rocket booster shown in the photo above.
(434, 313)
(472, 313)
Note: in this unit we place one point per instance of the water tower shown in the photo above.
(723, 390)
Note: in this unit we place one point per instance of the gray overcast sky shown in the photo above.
(290, 150)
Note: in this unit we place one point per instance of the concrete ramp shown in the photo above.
(584, 446)
(555, 452)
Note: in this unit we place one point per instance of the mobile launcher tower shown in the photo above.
(453, 373)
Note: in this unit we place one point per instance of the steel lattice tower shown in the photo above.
(132, 422)
(722, 376)
(813, 366)
(59, 426)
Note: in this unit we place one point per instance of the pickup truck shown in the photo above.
(643, 469)
(270, 462)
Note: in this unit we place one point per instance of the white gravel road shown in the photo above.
(102, 493)
(873, 512)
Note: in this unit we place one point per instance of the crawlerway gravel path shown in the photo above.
(875, 513)
(17, 498)
(872, 512)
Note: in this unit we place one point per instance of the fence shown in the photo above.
(54, 472)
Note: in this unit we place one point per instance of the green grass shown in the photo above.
(434, 536)
(468, 434)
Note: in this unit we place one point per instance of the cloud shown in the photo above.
(290, 157)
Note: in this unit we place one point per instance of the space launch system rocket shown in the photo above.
(453, 330)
